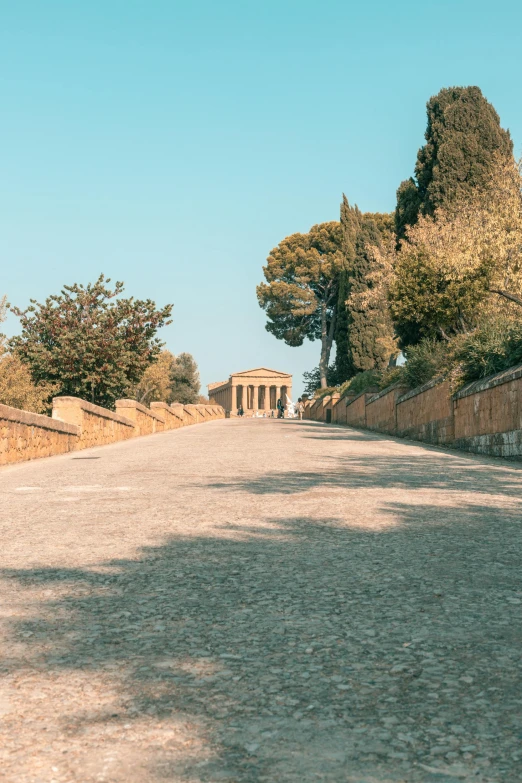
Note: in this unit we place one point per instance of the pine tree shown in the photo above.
(464, 140)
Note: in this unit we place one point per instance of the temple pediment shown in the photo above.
(260, 372)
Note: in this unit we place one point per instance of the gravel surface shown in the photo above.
(244, 601)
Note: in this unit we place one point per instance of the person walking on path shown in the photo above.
(300, 408)
(280, 409)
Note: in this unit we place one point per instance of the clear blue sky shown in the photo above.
(172, 144)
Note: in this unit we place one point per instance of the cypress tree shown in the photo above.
(350, 222)
(361, 331)
(464, 140)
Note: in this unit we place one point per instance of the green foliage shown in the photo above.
(184, 380)
(300, 295)
(407, 209)
(391, 376)
(89, 342)
(344, 367)
(425, 361)
(463, 140)
(496, 345)
(320, 393)
(16, 385)
(362, 382)
(364, 331)
(312, 380)
(426, 303)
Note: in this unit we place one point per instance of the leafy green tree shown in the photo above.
(312, 379)
(16, 385)
(464, 261)
(89, 341)
(463, 140)
(184, 380)
(300, 295)
(364, 334)
(155, 384)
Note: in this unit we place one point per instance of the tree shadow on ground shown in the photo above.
(292, 643)
(427, 468)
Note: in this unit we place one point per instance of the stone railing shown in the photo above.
(76, 424)
(484, 417)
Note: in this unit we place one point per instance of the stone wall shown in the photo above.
(339, 410)
(485, 417)
(146, 420)
(25, 435)
(77, 424)
(97, 426)
(171, 420)
(488, 415)
(381, 409)
(426, 413)
(356, 409)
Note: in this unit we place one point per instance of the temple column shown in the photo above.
(233, 406)
(278, 393)
(245, 397)
(255, 397)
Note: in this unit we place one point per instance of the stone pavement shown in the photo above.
(261, 601)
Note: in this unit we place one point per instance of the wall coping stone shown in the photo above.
(163, 405)
(37, 420)
(386, 391)
(421, 389)
(490, 382)
(97, 410)
(352, 397)
(139, 407)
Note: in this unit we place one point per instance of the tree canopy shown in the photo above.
(169, 379)
(464, 259)
(184, 380)
(89, 341)
(364, 334)
(155, 384)
(463, 139)
(300, 295)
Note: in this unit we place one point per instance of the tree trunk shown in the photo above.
(327, 335)
(323, 361)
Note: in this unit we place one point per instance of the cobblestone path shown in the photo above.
(261, 601)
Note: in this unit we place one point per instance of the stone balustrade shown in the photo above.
(77, 424)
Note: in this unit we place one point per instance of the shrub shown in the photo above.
(361, 382)
(494, 346)
(425, 361)
(320, 393)
(18, 390)
(390, 376)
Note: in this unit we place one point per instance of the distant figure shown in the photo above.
(240, 411)
(300, 408)
(280, 409)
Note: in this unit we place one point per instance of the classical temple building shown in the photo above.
(256, 390)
